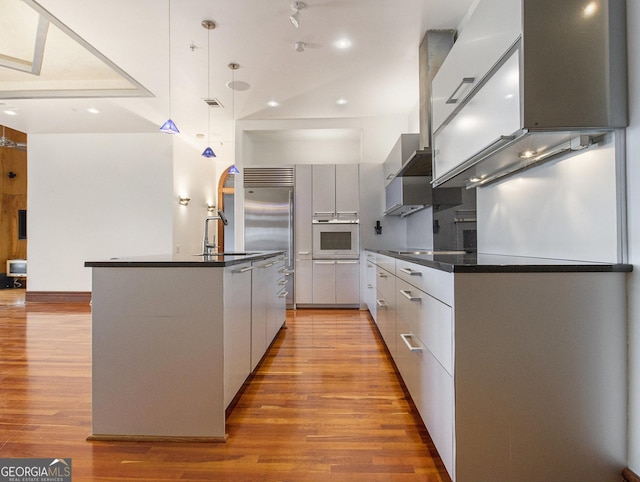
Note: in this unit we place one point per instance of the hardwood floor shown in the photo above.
(325, 404)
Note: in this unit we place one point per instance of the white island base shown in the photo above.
(171, 349)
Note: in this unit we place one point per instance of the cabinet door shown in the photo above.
(370, 287)
(302, 212)
(237, 328)
(347, 189)
(276, 296)
(259, 303)
(492, 28)
(324, 189)
(348, 282)
(324, 282)
(304, 281)
(495, 110)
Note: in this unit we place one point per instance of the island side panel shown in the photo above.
(158, 352)
(540, 372)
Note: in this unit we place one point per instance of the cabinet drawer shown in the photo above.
(385, 283)
(438, 284)
(493, 27)
(386, 262)
(429, 319)
(386, 321)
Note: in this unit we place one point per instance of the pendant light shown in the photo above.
(169, 126)
(209, 25)
(232, 85)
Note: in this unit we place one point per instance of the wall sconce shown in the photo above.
(183, 201)
(211, 208)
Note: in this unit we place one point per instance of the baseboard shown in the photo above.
(629, 476)
(57, 296)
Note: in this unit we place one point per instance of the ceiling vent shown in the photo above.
(213, 103)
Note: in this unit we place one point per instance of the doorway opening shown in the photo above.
(226, 192)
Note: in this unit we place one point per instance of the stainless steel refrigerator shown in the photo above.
(268, 215)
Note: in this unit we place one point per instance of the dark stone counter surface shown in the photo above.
(462, 262)
(219, 260)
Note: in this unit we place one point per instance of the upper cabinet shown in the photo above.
(336, 191)
(525, 82)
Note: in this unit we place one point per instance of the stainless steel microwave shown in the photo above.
(335, 240)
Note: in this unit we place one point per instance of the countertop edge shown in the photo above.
(180, 262)
(467, 266)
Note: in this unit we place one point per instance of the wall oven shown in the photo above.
(334, 239)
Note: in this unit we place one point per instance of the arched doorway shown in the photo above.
(226, 191)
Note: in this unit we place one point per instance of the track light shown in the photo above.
(297, 7)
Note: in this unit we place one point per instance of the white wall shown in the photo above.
(92, 197)
(633, 215)
(562, 209)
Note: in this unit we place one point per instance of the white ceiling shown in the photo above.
(377, 75)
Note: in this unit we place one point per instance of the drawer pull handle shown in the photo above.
(268, 265)
(283, 294)
(382, 303)
(244, 270)
(407, 294)
(405, 337)
(382, 275)
(466, 80)
(411, 272)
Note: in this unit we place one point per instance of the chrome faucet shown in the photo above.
(207, 247)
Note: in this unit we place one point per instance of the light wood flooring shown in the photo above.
(325, 404)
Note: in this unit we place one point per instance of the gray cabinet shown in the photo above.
(302, 210)
(336, 190)
(336, 282)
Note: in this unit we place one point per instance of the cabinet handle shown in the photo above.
(466, 80)
(268, 265)
(382, 275)
(347, 262)
(282, 283)
(304, 252)
(324, 262)
(405, 337)
(382, 303)
(411, 272)
(283, 294)
(369, 265)
(369, 287)
(407, 294)
(244, 270)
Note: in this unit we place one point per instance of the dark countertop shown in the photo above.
(183, 260)
(461, 262)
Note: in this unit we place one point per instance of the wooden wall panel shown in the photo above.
(13, 197)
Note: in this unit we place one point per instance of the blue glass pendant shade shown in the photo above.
(208, 152)
(169, 127)
(233, 170)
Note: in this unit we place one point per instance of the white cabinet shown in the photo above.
(492, 28)
(237, 328)
(324, 282)
(487, 356)
(336, 190)
(370, 287)
(302, 210)
(276, 311)
(259, 290)
(336, 282)
(347, 282)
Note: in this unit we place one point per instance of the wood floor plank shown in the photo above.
(324, 404)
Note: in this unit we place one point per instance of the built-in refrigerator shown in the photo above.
(268, 216)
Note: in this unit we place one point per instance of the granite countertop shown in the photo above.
(219, 260)
(462, 262)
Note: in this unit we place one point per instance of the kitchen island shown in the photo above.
(517, 365)
(173, 340)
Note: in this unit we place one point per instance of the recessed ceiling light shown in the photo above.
(343, 43)
(93, 110)
(10, 112)
(341, 101)
(273, 103)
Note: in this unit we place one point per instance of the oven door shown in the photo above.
(336, 240)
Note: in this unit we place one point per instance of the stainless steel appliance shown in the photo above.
(268, 215)
(335, 239)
